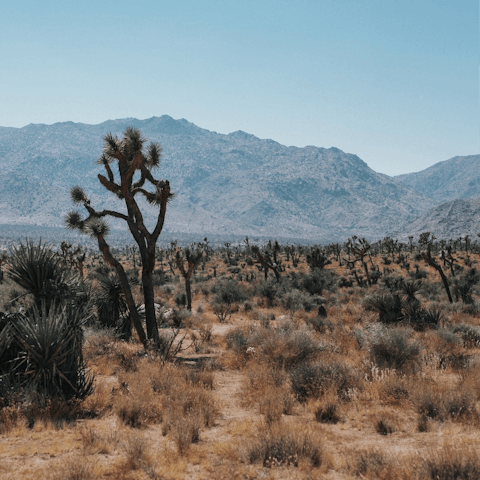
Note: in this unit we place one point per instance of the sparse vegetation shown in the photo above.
(297, 371)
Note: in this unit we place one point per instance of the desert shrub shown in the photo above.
(447, 346)
(167, 289)
(393, 282)
(360, 337)
(187, 403)
(180, 299)
(392, 348)
(327, 413)
(320, 324)
(371, 464)
(418, 273)
(344, 282)
(247, 306)
(385, 424)
(170, 396)
(269, 290)
(392, 308)
(284, 346)
(138, 456)
(201, 279)
(199, 377)
(316, 281)
(133, 413)
(187, 431)
(316, 379)
(159, 278)
(421, 319)
(294, 300)
(275, 402)
(228, 294)
(432, 290)
(395, 388)
(442, 404)
(74, 469)
(94, 441)
(229, 291)
(469, 334)
(452, 463)
(281, 445)
(10, 416)
(433, 317)
(423, 424)
(237, 338)
(268, 388)
(56, 413)
(462, 286)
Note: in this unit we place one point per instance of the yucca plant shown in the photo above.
(9, 350)
(38, 270)
(389, 307)
(50, 360)
(112, 309)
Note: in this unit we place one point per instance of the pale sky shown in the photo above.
(395, 82)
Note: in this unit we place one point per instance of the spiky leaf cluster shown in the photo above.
(50, 361)
(39, 270)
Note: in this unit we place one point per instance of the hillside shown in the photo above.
(457, 178)
(234, 184)
(453, 219)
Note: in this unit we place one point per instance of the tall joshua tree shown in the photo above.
(133, 159)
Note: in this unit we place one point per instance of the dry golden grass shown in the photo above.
(239, 415)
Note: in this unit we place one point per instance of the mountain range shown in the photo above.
(235, 184)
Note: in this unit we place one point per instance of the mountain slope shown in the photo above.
(225, 184)
(457, 178)
(453, 219)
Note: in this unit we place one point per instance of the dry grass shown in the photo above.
(296, 396)
(283, 445)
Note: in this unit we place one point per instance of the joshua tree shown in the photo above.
(133, 160)
(426, 242)
(266, 262)
(192, 258)
(360, 250)
(317, 258)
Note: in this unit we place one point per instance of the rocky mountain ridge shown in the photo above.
(235, 184)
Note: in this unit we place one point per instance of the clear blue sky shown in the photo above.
(395, 82)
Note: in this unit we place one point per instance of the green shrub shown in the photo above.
(228, 294)
(320, 324)
(286, 345)
(314, 380)
(469, 334)
(392, 348)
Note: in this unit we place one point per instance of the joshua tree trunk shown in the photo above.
(126, 290)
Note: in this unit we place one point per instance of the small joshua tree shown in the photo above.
(192, 258)
(132, 160)
(426, 242)
(266, 262)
